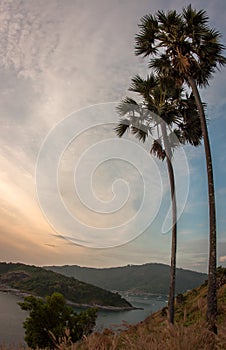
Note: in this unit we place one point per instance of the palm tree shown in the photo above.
(162, 108)
(187, 48)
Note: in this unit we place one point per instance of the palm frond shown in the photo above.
(157, 150)
(140, 132)
(122, 127)
(163, 66)
(195, 18)
(190, 126)
(191, 131)
(169, 20)
(127, 106)
(145, 40)
(143, 86)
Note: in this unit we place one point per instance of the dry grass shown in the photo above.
(189, 333)
(164, 337)
(12, 347)
(142, 337)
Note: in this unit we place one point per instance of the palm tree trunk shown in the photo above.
(171, 299)
(212, 283)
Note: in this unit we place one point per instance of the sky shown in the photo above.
(71, 192)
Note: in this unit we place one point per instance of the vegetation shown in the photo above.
(146, 278)
(173, 118)
(52, 320)
(40, 282)
(155, 333)
(185, 47)
(188, 333)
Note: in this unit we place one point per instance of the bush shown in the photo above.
(51, 319)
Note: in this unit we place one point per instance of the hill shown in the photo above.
(147, 278)
(190, 331)
(41, 282)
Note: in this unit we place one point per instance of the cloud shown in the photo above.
(24, 30)
(222, 191)
(55, 58)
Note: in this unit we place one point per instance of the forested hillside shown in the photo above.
(151, 278)
(38, 281)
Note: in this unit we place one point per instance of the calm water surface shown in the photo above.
(12, 317)
(149, 304)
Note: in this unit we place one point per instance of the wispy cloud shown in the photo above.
(222, 258)
(57, 57)
(222, 191)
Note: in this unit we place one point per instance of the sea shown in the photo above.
(12, 317)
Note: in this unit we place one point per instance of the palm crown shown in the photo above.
(161, 101)
(191, 46)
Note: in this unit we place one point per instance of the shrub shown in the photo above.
(49, 320)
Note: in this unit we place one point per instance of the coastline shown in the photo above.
(13, 291)
(102, 307)
(20, 294)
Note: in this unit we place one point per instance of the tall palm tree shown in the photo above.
(184, 45)
(163, 108)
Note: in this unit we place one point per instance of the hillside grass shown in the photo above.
(190, 331)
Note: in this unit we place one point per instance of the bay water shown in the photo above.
(12, 317)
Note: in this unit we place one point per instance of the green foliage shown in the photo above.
(146, 278)
(161, 101)
(40, 282)
(182, 44)
(52, 319)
